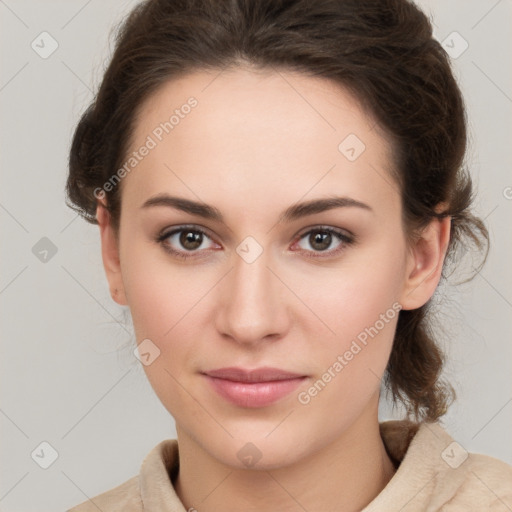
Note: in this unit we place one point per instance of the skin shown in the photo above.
(257, 143)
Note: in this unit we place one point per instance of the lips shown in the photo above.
(265, 374)
(253, 388)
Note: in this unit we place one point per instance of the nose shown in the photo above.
(252, 303)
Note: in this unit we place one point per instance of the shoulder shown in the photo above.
(123, 498)
(436, 472)
(485, 483)
(461, 480)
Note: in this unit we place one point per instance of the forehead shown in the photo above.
(256, 132)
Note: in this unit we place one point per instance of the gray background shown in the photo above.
(68, 373)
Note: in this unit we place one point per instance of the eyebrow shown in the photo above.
(293, 212)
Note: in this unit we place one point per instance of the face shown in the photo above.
(315, 292)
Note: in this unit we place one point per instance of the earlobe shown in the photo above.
(110, 255)
(425, 264)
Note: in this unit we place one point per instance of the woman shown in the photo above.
(279, 188)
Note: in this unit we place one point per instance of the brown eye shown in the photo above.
(191, 240)
(320, 240)
(185, 242)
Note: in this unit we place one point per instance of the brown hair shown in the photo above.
(382, 51)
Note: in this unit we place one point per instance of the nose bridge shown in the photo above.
(250, 280)
(253, 309)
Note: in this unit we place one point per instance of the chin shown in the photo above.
(259, 451)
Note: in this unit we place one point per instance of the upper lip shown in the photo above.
(264, 374)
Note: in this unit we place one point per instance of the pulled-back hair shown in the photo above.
(382, 51)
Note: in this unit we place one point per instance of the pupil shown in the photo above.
(323, 239)
(190, 240)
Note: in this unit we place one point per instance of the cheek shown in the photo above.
(166, 302)
(355, 295)
(161, 294)
(359, 302)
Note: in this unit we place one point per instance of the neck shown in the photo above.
(344, 475)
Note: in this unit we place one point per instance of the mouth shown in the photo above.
(253, 388)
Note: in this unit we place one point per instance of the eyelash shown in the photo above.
(342, 237)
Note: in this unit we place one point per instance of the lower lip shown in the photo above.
(254, 394)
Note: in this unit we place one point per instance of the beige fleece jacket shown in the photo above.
(434, 473)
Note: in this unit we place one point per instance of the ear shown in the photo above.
(110, 255)
(425, 263)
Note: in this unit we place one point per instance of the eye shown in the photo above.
(184, 240)
(321, 238)
(188, 242)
